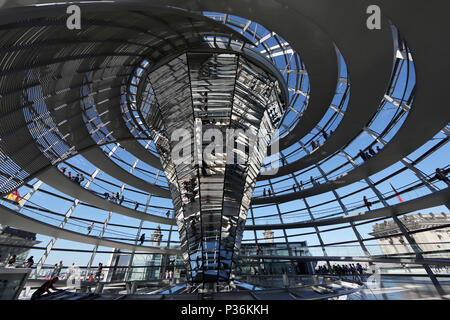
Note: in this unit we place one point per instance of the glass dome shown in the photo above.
(354, 122)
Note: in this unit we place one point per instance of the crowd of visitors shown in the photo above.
(78, 178)
(325, 135)
(354, 270)
(116, 198)
(368, 153)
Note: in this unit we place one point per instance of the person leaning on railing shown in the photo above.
(440, 175)
(45, 287)
(29, 263)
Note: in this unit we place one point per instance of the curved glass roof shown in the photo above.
(364, 159)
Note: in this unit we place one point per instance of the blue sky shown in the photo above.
(147, 173)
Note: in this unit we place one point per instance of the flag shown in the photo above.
(396, 193)
(14, 196)
(11, 197)
(18, 199)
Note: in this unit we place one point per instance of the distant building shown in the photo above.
(15, 241)
(431, 240)
(268, 236)
(157, 237)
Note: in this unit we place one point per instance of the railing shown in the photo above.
(418, 189)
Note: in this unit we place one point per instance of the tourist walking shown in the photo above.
(29, 263)
(142, 239)
(367, 203)
(98, 274)
(90, 227)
